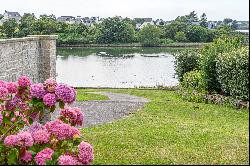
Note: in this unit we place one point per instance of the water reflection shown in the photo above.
(116, 67)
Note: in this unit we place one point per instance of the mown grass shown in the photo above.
(169, 130)
(84, 96)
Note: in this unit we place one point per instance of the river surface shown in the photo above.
(116, 67)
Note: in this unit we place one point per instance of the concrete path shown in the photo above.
(105, 111)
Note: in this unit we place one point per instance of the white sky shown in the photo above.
(165, 9)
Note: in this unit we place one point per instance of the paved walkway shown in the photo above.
(105, 111)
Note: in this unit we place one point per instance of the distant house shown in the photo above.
(87, 21)
(11, 15)
(78, 20)
(67, 19)
(211, 25)
(195, 23)
(159, 22)
(147, 19)
(145, 24)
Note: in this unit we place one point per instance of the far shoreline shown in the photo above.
(172, 45)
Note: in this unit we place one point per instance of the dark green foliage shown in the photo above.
(180, 37)
(114, 30)
(233, 75)
(208, 60)
(185, 61)
(199, 34)
(9, 27)
(203, 20)
(150, 35)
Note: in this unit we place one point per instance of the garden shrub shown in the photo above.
(233, 75)
(193, 80)
(180, 37)
(192, 87)
(166, 41)
(23, 140)
(208, 57)
(185, 61)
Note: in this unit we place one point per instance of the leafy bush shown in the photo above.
(193, 80)
(207, 62)
(233, 75)
(185, 61)
(180, 37)
(150, 35)
(24, 140)
(166, 41)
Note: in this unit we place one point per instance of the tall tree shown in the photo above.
(203, 20)
(192, 17)
(9, 27)
(227, 21)
(25, 25)
(150, 35)
(114, 30)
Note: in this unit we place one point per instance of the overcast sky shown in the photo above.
(165, 9)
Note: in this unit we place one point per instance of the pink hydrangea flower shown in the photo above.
(27, 156)
(12, 87)
(42, 156)
(24, 139)
(3, 93)
(74, 115)
(65, 93)
(37, 90)
(24, 82)
(49, 99)
(41, 136)
(67, 160)
(10, 141)
(60, 130)
(85, 153)
(50, 85)
(3, 84)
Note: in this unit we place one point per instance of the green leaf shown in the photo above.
(12, 157)
(61, 104)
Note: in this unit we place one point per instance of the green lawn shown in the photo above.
(169, 130)
(83, 96)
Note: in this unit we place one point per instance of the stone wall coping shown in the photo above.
(46, 37)
(29, 38)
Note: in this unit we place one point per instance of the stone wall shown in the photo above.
(33, 56)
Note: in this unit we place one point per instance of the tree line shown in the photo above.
(115, 30)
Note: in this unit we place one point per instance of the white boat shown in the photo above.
(145, 55)
(102, 53)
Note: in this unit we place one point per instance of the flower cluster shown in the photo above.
(45, 154)
(25, 103)
(65, 93)
(49, 99)
(61, 131)
(50, 85)
(22, 139)
(24, 82)
(27, 156)
(73, 115)
(37, 90)
(85, 153)
(67, 160)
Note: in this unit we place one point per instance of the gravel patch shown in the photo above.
(106, 111)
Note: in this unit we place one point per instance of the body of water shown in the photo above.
(116, 67)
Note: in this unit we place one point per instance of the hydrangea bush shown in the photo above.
(24, 140)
